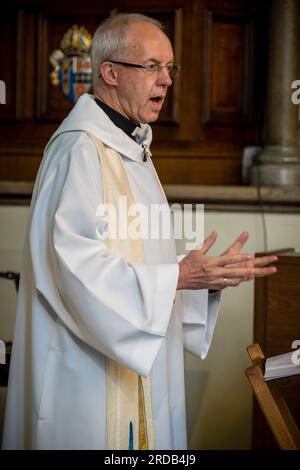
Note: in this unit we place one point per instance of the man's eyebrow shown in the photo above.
(153, 60)
(158, 62)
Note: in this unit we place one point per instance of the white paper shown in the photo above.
(281, 366)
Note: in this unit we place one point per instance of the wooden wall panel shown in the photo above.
(228, 75)
(204, 171)
(12, 64)
(213, 109)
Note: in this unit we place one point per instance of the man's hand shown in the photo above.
(200, 271)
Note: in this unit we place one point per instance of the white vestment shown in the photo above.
(79, 303)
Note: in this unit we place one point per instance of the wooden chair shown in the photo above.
(272, 403)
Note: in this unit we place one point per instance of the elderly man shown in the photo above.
(101, 324)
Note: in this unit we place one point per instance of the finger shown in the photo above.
(231, 259)
(233, 282)
(245, 273)
(208, 243)
(220, 284)
(261, 272)
(264, 260)
(256, 262)
(235, 273)
(237, 244)
(236, 277)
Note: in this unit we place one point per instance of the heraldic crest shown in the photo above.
(72, 63)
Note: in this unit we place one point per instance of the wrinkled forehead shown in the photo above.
(146, 41)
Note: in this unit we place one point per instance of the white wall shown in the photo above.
(218, 395)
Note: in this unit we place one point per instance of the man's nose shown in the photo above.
(164, 77)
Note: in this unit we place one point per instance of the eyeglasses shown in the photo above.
(172, 68)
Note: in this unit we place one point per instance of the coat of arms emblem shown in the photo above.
(72, 63)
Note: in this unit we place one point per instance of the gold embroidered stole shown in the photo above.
(129, 396)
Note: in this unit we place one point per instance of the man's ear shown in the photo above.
(108, 73)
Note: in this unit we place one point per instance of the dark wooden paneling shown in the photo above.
(23, 167)
(197, 171)
(228, 71)
(215, 100)
(283, 309)
(12, 64)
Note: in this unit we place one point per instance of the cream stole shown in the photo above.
(129, 396)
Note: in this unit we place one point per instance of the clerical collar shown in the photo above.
(120, 121)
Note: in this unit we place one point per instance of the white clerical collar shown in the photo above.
(88, 117)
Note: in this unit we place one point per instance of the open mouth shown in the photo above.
(157, 99)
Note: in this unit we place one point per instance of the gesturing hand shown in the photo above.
(258, 267)
(200, 271)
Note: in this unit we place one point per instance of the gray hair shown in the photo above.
(111, 39)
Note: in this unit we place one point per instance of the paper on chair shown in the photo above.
(282, 365)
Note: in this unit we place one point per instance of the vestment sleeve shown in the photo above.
(121, 309)
(200, 313)
(199, 316)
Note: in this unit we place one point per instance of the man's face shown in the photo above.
(140, 94)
